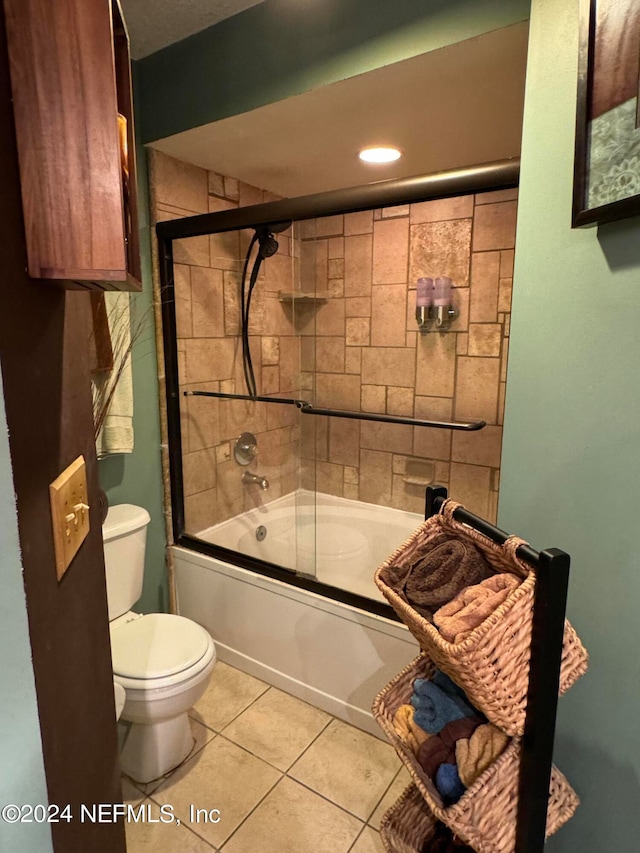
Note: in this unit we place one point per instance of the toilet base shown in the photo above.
(151, 750)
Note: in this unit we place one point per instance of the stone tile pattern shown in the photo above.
(207, 283)
(360, 349)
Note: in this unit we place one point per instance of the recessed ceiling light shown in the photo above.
(380, 154)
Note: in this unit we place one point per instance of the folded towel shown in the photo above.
(472, 606)
(434, 708)
(449, 784)
(433, 753)
(428, 580)
(477, 752)
(408, 730)
(116, 435)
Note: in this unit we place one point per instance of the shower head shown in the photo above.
(267, 247)
(268, 243)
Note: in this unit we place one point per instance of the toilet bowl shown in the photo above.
(119, 697)
(161, 661)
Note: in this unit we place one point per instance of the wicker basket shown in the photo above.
(408, 825)
(492, 663)
(485, 816)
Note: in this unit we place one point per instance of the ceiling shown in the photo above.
(154, 24)
(454, 107)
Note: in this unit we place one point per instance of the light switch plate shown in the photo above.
(69, 513)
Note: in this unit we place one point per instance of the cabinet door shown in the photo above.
(65, 103)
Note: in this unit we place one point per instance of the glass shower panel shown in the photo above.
(366, 353)
(333, 322)
(242, 475)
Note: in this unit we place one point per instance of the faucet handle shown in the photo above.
(245, 449)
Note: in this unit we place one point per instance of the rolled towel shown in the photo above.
(428, 580)
(434, 708)
(464, 613)
(441, 748)
(433, 753)
(408, 730)
(448, 685)
(476, 753)
(428, 688)
(459, 730)
(449, 784)
(443, 572)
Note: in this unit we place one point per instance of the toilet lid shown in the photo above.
(157, 645)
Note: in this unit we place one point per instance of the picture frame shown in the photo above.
(606, 183)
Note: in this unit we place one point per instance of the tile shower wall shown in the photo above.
(207, 284)
(360, 349)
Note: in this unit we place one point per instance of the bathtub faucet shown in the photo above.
(247, 477)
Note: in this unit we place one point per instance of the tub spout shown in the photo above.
(255, 478)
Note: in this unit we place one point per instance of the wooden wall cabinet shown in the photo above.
(70, 76)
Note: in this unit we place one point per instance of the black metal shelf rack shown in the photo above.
(552, 581)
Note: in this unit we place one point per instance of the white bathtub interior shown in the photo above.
(337, 541)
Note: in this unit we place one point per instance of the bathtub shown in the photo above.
(332, 655)
(337, 541)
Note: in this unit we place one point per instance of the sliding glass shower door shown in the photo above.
(316, 395)
(241, 464)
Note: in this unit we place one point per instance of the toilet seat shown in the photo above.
(158, 650)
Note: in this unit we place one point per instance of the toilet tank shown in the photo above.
(125, 536)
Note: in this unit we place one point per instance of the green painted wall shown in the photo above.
(281, 48)
(137, 477)
(22, 778)
(571, 458)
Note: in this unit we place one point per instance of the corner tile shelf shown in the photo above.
(302, 297)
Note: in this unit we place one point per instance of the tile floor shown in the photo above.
(286, 778)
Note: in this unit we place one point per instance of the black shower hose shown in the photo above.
(245, 298)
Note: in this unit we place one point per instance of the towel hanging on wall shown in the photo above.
(115, 387)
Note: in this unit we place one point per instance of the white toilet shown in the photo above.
(163, 662)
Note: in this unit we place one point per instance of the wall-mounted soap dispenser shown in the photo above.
(444, 311)
(434, 304)
(424, 303)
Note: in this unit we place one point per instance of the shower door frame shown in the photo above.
(487, 177)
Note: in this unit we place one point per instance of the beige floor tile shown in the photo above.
(201, 735)
(228, 694)
(147, 837)
(221, 776)
(293, 819)
(130, 793)
(350, 767)
(368, 842)
(277, 728)
(397, 787)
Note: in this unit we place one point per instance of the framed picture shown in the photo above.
(607, 164)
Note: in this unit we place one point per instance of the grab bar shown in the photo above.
(308, 408)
